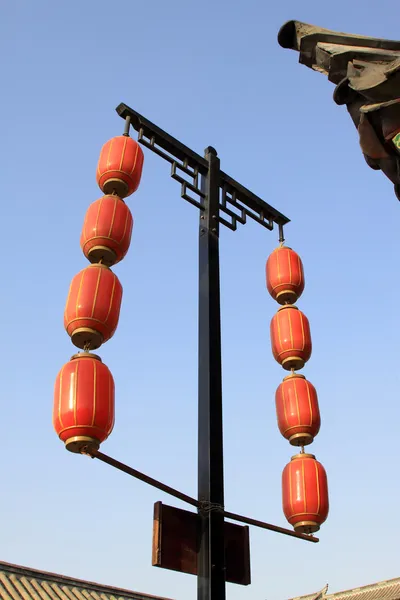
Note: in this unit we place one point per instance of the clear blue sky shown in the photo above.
(210, 73)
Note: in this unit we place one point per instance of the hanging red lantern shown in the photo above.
(297, 410)
(83, 410)
(305, 493)
(93, 305)
(120, 166)
(107, 230)
(285, 275)
(290, 338)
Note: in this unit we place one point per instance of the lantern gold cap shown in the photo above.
(294, 375)
(118, 186)
(302, 455)
(99, 265)
(79, 443)
(282, 247)
(292, 362)
(114, 196)
(306, 527)
(287, 306)
(85, 355)
(287, 297)
(102, 255)
(86, 337)
(301, 439)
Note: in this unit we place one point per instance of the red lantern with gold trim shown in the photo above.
(120, 166)
(297, 410)
(290, 338)
(305, 493)
(285, 275)
(93, 305)
(83, 410)
(107, 230)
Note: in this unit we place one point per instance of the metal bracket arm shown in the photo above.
(189, 500)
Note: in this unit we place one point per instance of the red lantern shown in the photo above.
(305, 493)
(285, 275)
(120, 166)
(297, 410)
(107, 230)
(93, 304)
(83, 412)
(290, 338)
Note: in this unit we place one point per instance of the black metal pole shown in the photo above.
(236, 205)
(211, 556)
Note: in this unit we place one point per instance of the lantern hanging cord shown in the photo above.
(203, 506)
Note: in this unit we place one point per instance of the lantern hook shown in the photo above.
(127, 126)
(85, 452)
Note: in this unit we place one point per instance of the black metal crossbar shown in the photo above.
(236, 201)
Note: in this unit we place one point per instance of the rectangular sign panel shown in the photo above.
(175, 544)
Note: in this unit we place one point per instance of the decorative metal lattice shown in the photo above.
(237, 203)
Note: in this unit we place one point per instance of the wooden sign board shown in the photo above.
(175, 544)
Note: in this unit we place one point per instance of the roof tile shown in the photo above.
(384, 590)
(21, 583)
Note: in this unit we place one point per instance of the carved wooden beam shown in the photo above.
(366, 72)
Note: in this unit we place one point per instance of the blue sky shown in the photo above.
(210, 73)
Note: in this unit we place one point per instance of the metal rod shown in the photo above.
(281, 234)
(248, 521)
(189, 500)
(134, 473)
(127, 126)
(211, 555)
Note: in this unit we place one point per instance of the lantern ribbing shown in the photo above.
(107, 230)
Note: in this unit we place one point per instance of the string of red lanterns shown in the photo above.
(84, 397)
(304, 482)
(84, 393)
